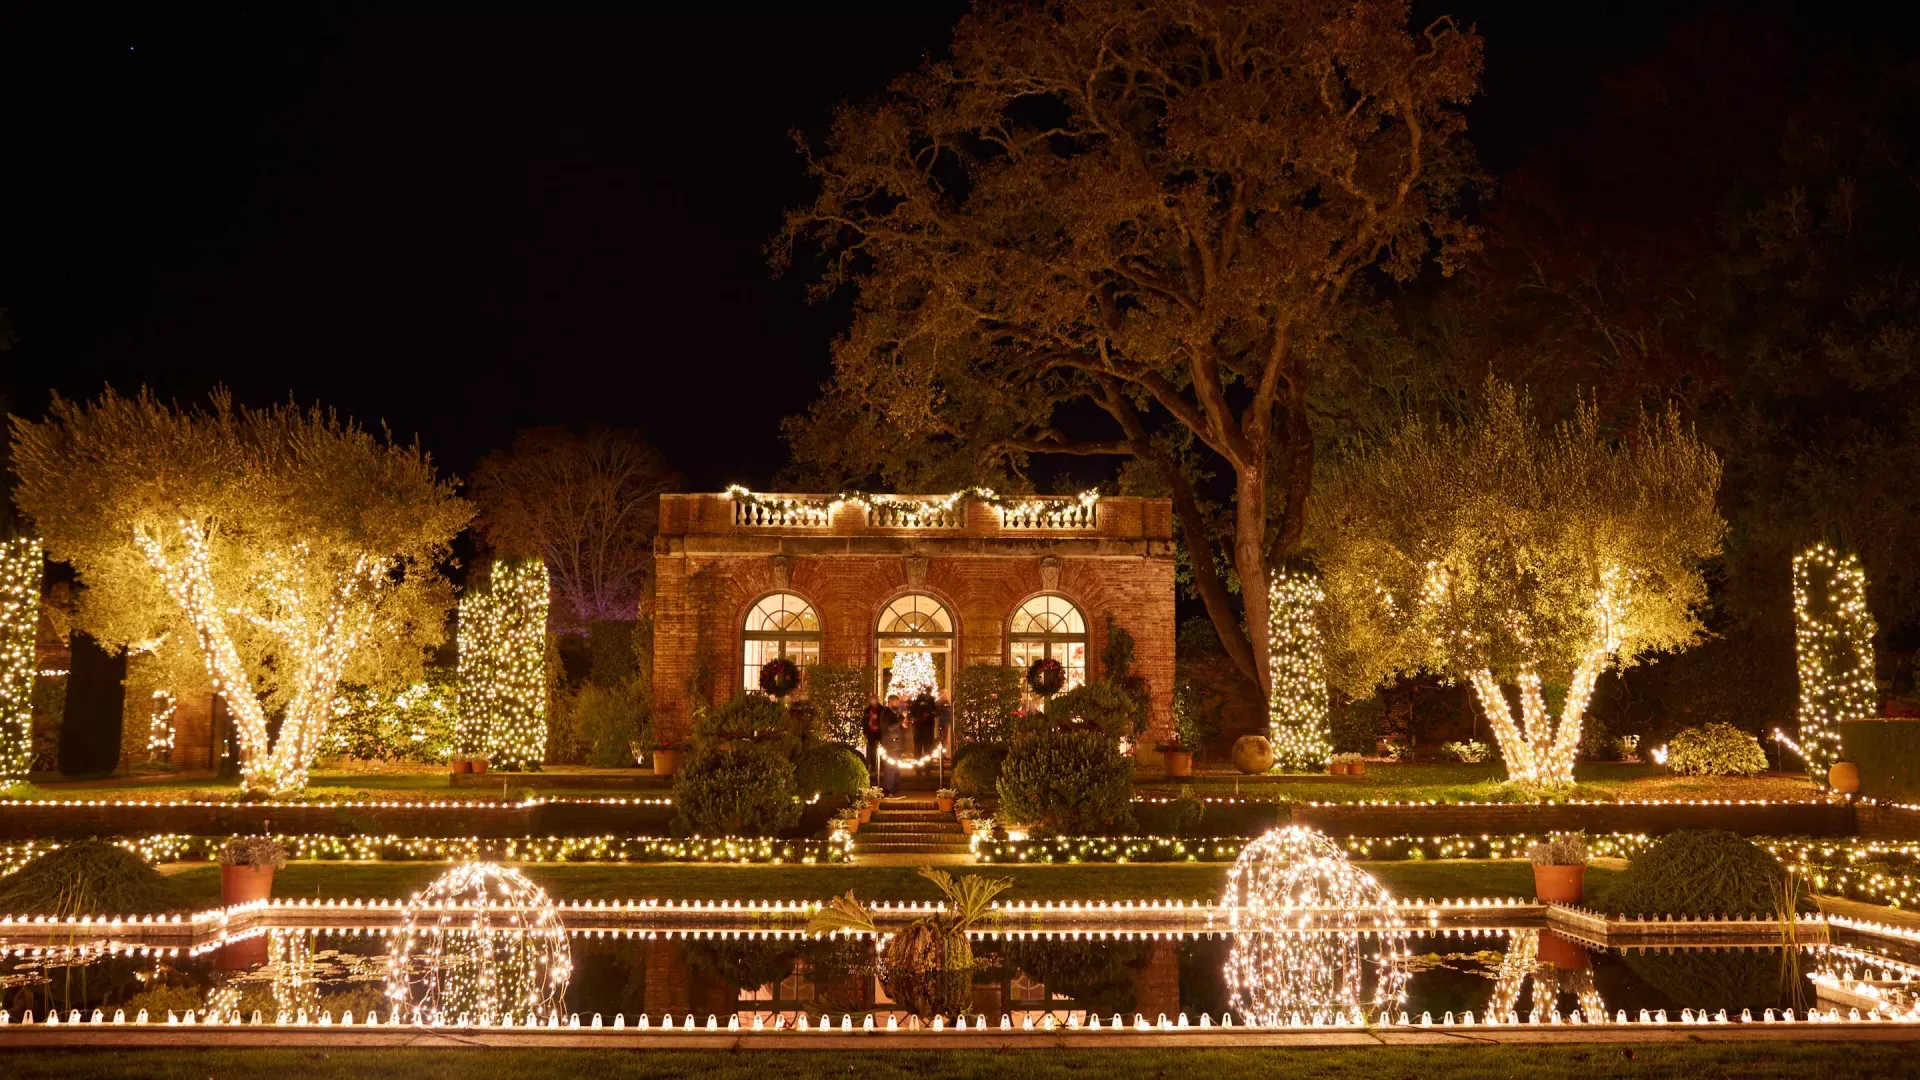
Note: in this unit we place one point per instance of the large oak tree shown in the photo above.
(1116, 228)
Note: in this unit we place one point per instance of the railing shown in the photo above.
(788, 513)
(909, 513)
(1041, 512)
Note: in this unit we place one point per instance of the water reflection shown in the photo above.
(479, 945)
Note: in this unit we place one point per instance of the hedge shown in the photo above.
(1888, 753)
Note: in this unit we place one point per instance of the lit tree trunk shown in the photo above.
(1538, 750)
(318, 654)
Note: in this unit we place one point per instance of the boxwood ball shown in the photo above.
(1252, 754)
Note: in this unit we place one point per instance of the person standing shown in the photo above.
(925, 712)
(945, 723)
(876, 726)
(896, 745)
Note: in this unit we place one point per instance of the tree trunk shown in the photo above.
(1537, 750)
(1250, 562)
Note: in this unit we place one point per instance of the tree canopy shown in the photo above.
(280, 550)
(586, 504)
(1495, 550)
(1108, 228)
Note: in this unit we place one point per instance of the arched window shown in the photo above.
(1050, 627)
(915, 636)
(780, 625)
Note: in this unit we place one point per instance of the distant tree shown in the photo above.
(1113, 228)
(587, 504)
(290, 549)
(1497, 552)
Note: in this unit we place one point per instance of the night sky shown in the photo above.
(464, 225)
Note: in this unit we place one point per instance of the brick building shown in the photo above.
(742, 579)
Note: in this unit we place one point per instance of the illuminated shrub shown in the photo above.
(1716, 750)
(1063, 781)
(745, 789)
(830, 769)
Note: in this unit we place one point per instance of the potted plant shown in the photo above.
(1559, 868)
(1346, 765)
(480, 762)
(1178, 755)
(944, 799)
(869, 799)
(667, 756)
(247, 864)
(461, 764)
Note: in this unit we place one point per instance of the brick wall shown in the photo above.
(709, 573)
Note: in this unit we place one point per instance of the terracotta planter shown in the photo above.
(479, 765)
(1559, 884)
(1357, 768)
(666, 762)
(1336, 768)
(244, 884)
(1179, 762)
(1565, 954)
(1844, 777)
(866, 814)
(462, 766)
(945, 805)
(243, 955)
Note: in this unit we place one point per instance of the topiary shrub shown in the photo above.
(986, 698)
(1715, 750)
(830, 769)
(1100, 706)
(89, 877)
(1062, 781)
(750, 718)
(745, 789)
(976, 770)
(1706, 872)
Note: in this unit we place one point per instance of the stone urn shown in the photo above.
(1844, 778)
(1559, 884)
(1252, 754)
(245, 884)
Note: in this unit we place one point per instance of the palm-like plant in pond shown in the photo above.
(936, 943)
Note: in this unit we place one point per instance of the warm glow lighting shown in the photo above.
(1297, 668)
(916, 511)
(482, 944)
(160, 726)
(1833, 635)
(20, 565)
(503, 667)
(912, 674)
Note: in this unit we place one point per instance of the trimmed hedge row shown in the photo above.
(1888, 754)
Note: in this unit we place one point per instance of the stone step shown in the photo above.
(878, 826)
(911, 815)
(947, 839)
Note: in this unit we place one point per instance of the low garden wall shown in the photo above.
(586, 817)
(1811, 818)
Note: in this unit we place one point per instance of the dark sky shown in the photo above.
(465, 224)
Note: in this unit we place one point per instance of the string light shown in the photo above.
(503, 667)
(318, 639)
(927, 758)
(1833, 635)
(1297, 668)
(913, 673)
(915, 511)
(1303, 921)
(20, 567)
(510, 958)
(160, 726)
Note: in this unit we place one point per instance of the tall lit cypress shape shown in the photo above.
(19, 615)
(1833, 631)
(1297, 668)
(503, 667)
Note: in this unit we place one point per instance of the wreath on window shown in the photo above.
(779, 677)
(1046, 677)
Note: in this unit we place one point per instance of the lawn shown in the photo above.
(1749, 1061)
(1428, 879)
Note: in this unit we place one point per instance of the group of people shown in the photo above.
(901, 730)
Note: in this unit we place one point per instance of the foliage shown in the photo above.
(1101, 977)
(1188, 812)
(1098, 706)
(504, 684)
(1496, 551)
(927, 964)
(1732, 979)
(752, 717)
(257, 852)
(610, 720)
(1297, 670)
(415, 724)
(1697, 873)
(1471, 752)
(986, 698)
(21, 567)
(1148, 214)
(285, 550)
(587, 505)
(1116, 660)
(745, 789)
(88, 877)
(1067, 781)
(976, 769)
(1715, 750)
(1833, 635)
(1888, 754)
(613, 646)
(1189, 724)
(830, 769)
(842, 693)
(1354, 726)
(1565, 849)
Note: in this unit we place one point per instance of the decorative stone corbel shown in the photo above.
(781, 566)
(1050, 573)
(916, 571)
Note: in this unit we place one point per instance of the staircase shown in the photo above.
(910, 826)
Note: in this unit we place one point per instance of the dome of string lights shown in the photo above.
(481, 946)
(1315, 938)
